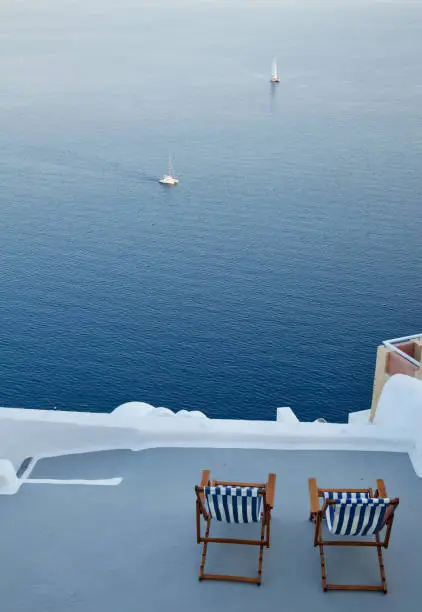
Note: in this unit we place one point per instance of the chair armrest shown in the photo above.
(205, 478)
(313, 495)
(200, 500)
(270, 490)
(382, 492)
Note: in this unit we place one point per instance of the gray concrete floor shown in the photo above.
(132, 547)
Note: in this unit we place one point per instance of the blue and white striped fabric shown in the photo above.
(338, 495)
(234, 504)
(363, 516)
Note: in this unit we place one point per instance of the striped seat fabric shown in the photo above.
(234, 504)
(340, 495)
(357, 517)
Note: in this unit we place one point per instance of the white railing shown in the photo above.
(390, 344)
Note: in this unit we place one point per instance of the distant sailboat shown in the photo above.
(274, 75)
(170, 178)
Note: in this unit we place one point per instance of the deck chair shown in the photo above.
(233, 502)
(356, 513)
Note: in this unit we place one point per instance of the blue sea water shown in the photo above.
(292, 245)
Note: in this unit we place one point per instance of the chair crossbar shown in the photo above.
(232, 541)
(230, 578)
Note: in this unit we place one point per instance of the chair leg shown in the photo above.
(319, 542)
(204, 549)
(382, 571)
(381, 564)
(322, 562)
(261, 552)
(206, 540)
(198, 523)
(317, 530)
(268, 530)
(351, 587)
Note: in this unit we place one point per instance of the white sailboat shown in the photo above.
(274, 75)
(170, 178)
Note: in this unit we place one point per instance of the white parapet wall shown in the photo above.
(400, 405)
(9, 484)
(136, 426)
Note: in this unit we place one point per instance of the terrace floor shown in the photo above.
(132, 547)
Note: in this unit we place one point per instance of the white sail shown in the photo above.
(171, 169)
(274, 75)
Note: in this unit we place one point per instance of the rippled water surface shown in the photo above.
(292, 245)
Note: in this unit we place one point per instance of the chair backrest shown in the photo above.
(358, 516)
(234, 504)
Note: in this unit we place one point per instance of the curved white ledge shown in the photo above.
(136, 425)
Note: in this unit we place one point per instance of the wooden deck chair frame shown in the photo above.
(268, 491)
(317, 514)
